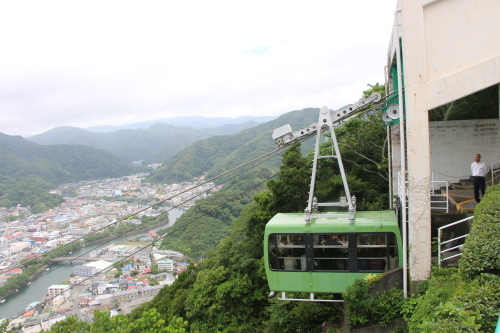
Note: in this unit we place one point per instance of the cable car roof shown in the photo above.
(370, 221)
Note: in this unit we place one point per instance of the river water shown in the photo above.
(59, 272)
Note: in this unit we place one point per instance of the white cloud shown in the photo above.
(90, 63)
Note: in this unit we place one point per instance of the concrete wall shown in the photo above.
(454, 144)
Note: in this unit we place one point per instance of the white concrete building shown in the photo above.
(55, 290)
(440, 51)
(166, 265)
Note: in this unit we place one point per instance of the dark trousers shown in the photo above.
(479, 184)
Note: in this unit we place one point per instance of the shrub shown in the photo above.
(451, 305)
(481, 249)
(474, 308)
(367, 309)
(439, 288)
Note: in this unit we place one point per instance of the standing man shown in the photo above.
(479, 171)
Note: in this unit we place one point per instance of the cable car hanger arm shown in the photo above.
(284, 136)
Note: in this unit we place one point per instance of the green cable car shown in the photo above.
(328, 254)
(324, 252)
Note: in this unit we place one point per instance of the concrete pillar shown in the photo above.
(417, 135)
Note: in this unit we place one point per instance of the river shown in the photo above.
(59, 272)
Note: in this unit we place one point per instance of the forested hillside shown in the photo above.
(155, 144)
(226, 292)
(27, 169)
(221, 153)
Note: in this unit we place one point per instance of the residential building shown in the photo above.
(84, 270)
(104, 299)
(58, 300)
(148, 291)
(126, 295)
(98, 287)
(166, 265)
(55, 290)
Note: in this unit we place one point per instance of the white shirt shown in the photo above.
(478, 169)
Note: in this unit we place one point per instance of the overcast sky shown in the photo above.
(89, 63)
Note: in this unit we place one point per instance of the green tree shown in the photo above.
(289, 193)
(70, 325)
(480, 105)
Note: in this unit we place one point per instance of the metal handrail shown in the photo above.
(497, 163)
(450, 240)
(446, 184)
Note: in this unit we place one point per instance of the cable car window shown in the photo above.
(376, 252)
(287, 252)
(331, 252)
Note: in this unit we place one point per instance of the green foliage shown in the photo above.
(4, 324)
(70, 325)
(447, 304)
(480, 105)
(377, 87)
(474, 307)
(306, 317)
(202, 227)
(481, 249)
(32, 193)
(367, 309)
(151, 321)
(289, 193)
(439, 288)
(363, 145)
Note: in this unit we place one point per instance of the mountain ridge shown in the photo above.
(197, 122)
(27, 167)
(221, 153)
(156, 144)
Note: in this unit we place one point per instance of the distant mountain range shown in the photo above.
(28, 169)
(70, 154)
(197, 122)
(221, 153)
(57, 164)
(155, 144)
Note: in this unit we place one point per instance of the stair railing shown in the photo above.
(441, 243)
(440, 184)
(493, 171)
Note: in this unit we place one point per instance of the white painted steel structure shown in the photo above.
(441, 243)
